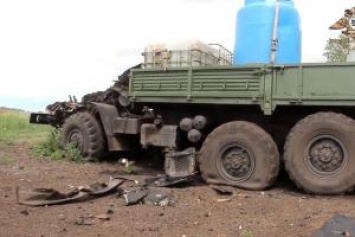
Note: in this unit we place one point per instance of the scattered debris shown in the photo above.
(135, 196)
(136, 182)
(119, 193)
(167, 181)
(103, 217)
(90, 220)
(157, 199)
(224, 200)
(84, 221)
(48, 196)
(99, 189)
(339, 225)
(24, 212)
(222, 190)
(109, 211)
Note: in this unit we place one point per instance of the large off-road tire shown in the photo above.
(84, 132)
(240, 154)
(319, 153)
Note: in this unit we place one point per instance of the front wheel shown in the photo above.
(83, 131)
(240, 154)
(319, 153)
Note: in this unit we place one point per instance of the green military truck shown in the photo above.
(242, 122)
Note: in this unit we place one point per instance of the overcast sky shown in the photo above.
(52, 48)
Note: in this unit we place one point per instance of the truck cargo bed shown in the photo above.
(267, 86)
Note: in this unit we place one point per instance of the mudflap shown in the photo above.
(108, 114)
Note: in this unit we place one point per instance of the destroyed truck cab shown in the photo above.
(237, 124)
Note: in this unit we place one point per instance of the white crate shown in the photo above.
(185, 54)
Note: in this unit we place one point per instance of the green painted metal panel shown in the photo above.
(263, 85)
(328, 81)
(315, 85)
(169, 82)
(285, 84)
(198, 84)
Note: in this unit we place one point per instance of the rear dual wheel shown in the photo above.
(319, 154)
(240, 154)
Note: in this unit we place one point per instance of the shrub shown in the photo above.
(51, 148)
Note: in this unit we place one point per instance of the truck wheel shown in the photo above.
(239, 154)
(319, 153)
(84, 132)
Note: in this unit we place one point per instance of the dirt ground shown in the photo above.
(196, 211)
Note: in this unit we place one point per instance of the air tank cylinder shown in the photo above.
(186, 124)
(194, 135)
(268, 31)
(199, 122)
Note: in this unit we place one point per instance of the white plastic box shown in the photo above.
(184, 54)
(154, 55)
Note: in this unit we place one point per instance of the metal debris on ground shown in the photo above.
(220, 200)
(167, 181)
(135, 196)
(102, 217)
(339, 225)
(157, 199)
(91, 220)
(99, 189)
(84, 221)
(132, 195)
(49, 196)
(222, 190)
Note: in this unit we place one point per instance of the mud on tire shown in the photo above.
(240, 154)
(84, 132)
(319, 155)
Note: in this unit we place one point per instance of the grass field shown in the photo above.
(15, 126)
(43, 139)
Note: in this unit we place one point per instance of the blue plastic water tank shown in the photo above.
(254, 32)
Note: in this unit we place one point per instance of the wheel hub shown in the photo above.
(237, 162)
(76, 139)
(326, 155)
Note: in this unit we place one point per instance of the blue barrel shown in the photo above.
(254, 33)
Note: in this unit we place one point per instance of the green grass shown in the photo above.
(44, 139)
(15, 127)
(50, 148)
(246, 233)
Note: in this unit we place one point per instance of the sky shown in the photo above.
(50, 49)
